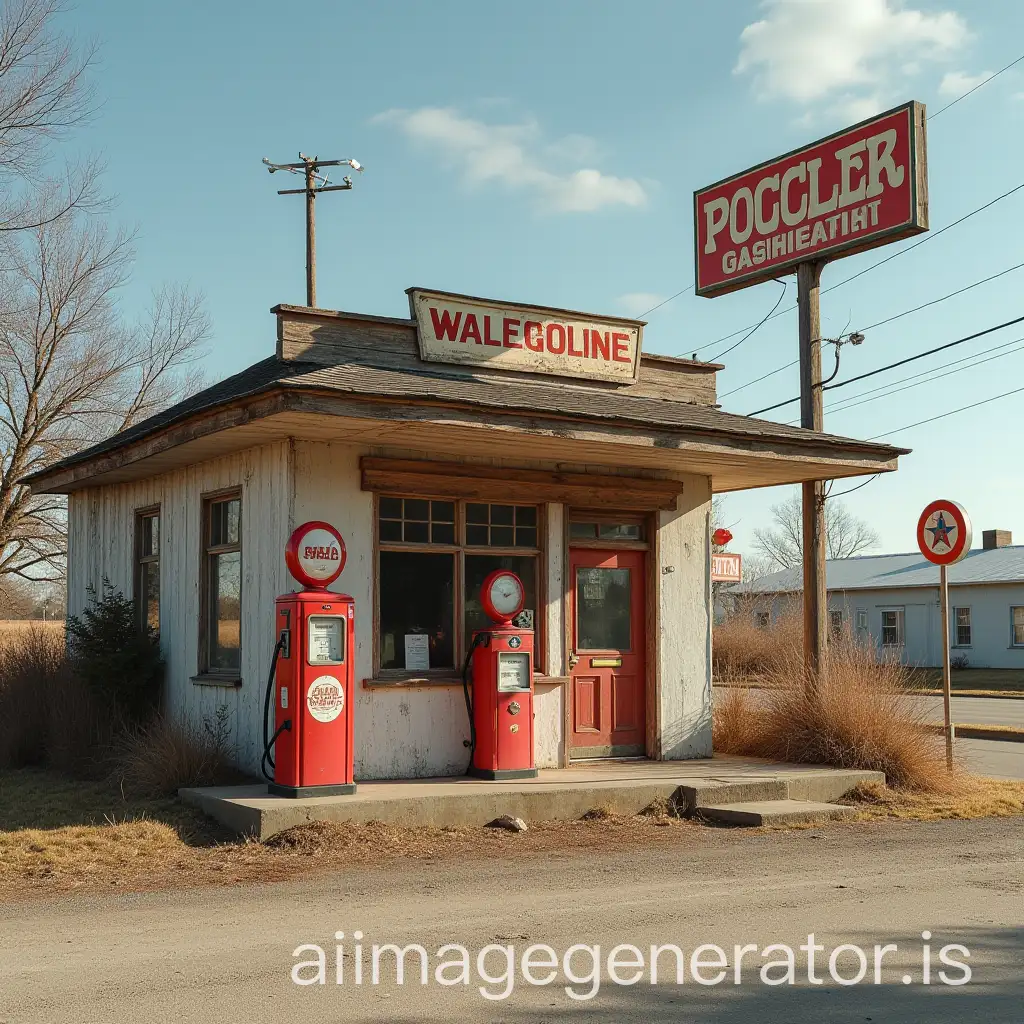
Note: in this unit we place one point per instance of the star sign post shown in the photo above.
(944, 537)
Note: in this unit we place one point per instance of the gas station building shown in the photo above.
(474, 435)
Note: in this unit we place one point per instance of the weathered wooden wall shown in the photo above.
(101, 542)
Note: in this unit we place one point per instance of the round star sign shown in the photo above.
(944, 532)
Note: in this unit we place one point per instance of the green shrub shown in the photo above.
(118, 660)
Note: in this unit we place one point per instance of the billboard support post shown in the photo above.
(811, 418)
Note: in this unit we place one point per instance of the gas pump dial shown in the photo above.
(502, 596)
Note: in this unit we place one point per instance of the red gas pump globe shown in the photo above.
(315, 554)
(503, 596)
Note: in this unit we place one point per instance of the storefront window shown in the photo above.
(222, 586)
(434, 557)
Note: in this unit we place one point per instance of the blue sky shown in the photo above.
(548, 153)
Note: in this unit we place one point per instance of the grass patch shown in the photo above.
(996, 680)
(974, 798)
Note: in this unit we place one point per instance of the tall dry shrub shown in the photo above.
(862, 715)
(742, 650)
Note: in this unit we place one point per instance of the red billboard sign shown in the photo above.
(862, 187)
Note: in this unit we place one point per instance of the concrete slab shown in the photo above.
(556, 794)
(775, 812)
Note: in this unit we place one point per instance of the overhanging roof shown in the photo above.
(465, 410)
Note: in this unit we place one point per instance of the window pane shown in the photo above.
(391, 508)
(224, 521)
(476, 513)
(442, 533)
(416, 532)
(225, 610)
(150, 527)
(1018, 626)
(502, 536)
(583, 531)
(151, 594)
(390, 530)
(418, 509)
(603, 609)
(619, 531)
(442, 511)
(417, 597)
(477, 569)
(476, 535)
(526, 515)
(526, 536)
(504, 515)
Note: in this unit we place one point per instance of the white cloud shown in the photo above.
(637, 303)
(515, 156)
(956, 83)
(808, 50)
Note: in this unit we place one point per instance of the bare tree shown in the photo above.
(72, 371)
(43, 94)
(781, 545)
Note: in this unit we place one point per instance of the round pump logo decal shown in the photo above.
(315, 554)
(325, 698)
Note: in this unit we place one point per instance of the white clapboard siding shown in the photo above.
(101, 542)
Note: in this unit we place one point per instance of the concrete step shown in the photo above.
(775, 812)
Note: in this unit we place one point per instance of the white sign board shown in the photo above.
(417, 651)
(507, 336)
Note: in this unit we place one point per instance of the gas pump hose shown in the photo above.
(287, 724)
(481, 639)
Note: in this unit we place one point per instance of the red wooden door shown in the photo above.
(607, 676)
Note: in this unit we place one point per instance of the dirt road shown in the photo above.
(227, 955)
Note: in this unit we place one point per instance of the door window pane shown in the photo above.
(417, 597)
(477, 569)
(225, 610)
(603, 602)
(224, 521)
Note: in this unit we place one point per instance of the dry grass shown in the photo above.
(161, 757)
(741, 650)
(862, 716)
(975, 798)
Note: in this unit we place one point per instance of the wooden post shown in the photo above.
(310, 234)
(946, 672)
(811, 418)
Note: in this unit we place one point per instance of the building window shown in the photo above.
(1017, 618)
(222, 586)
(962, 621)
(892, 627)
(835, 622)
(763, 620)
(433, 558)
(147, 568)
(584, 530)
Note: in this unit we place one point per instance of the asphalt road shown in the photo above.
(979, 710)
(997, 759)
(226, 955)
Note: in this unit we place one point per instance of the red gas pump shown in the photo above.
(312, 673)
(502, 707)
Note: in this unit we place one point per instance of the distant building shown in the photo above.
(894, 600)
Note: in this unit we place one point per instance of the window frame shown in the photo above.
(459, 550)
(863, 620)
(901, 626)
(139, 560)
(763, 620)
(582, 515)
(1013, 636)
(206, 549)
(954, 622)
(835, 632)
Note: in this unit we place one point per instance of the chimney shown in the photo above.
(992, 539)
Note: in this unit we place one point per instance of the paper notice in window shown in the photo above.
(417, 651)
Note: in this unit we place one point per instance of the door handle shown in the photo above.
(573, 659)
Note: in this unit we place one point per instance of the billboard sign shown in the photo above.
(726, 568)
(862, 187)
(535, 339)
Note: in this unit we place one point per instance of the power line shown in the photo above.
(778, 369)
(665, 302)
(901, 362)
(953, 103)
(756, 326)
(945, 415)
(850, 490)
(886, 391)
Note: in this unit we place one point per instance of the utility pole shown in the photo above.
(315, 182)
(811, 418)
